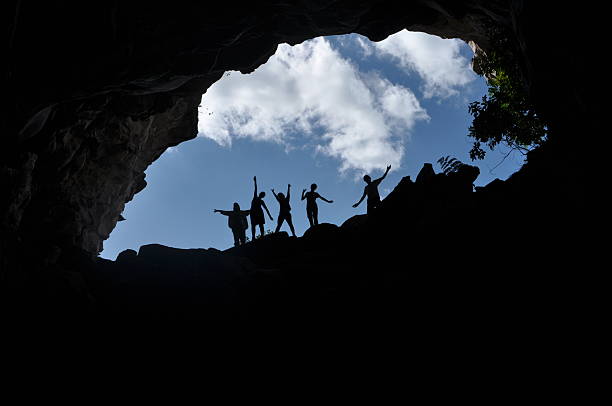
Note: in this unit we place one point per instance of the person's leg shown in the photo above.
(290, 222)
(252, 230)
(261, 230)
(310, 218)
(236, 240)
(315, 215)
(280, 223)
(242, 236)
(371, 206)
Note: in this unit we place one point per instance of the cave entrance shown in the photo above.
(325, 111)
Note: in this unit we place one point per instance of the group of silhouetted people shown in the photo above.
(237, 218)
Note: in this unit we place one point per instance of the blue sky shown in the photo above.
(326, 111)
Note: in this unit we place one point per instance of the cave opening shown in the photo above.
(325, 111)
(97, 92)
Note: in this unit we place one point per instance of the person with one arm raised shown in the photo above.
(312, 210)
(371, 191)
(237, 222)
(257, 214)
(285, 210)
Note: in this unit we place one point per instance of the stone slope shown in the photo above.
(415, 256)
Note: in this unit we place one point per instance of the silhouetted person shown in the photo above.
(237, 221)
(285, 210)
(312, 210)
(257, 214)
(371, 191)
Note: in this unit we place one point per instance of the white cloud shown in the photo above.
(361, 119)
(437, 61)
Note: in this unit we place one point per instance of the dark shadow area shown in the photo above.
(120, 82)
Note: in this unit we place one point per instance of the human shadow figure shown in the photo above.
(312, 210)
(257, 214)
(371, 191)
(237, 222)
(285, 210)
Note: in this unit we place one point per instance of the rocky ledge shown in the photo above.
(426, 251)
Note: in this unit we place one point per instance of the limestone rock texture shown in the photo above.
(96, 91)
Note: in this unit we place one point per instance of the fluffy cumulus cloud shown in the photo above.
(310, 90)
(437, 61)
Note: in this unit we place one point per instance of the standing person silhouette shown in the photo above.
(237, 221)
(371, 190)
(257, 214)
(312, 210)
(285, 210)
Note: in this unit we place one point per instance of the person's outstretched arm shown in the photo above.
(274, 193)
(224, 212)
(288, 192)
(382, 177)
(360, 200)
(255, 181)
(303, 195)
(325, 200)
(266, 207)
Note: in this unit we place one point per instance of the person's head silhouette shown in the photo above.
(313, 187)
(262, 195)
(281, 196)
(236, 207)
(367, 179)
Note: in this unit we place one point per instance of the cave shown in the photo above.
(97, 92)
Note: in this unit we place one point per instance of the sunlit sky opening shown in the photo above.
(326, 111)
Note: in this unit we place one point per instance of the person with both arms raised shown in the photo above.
(285, 210)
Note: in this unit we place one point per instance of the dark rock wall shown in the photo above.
(77, 176)
(96, 91)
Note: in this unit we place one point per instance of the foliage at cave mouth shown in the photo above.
(505, 115)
